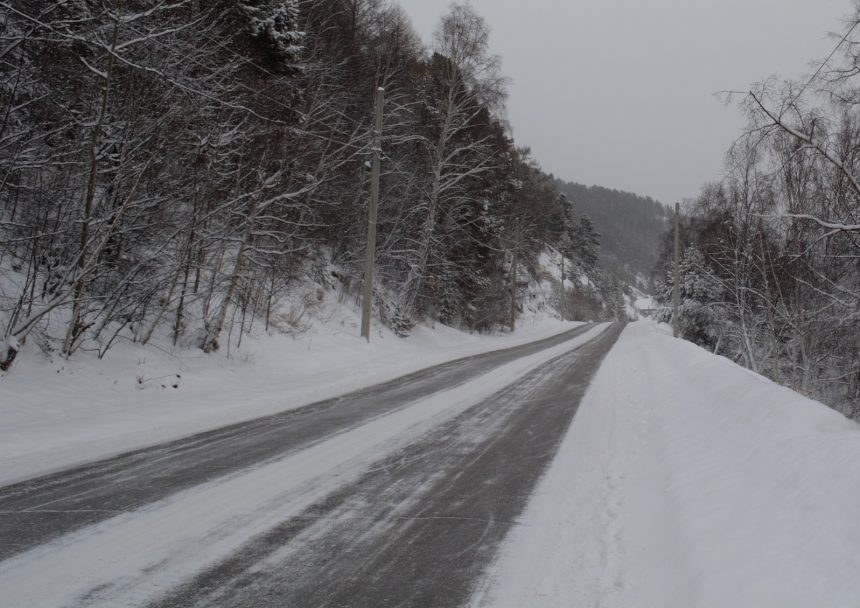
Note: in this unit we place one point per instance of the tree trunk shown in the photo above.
(215, 329)
(74, 329)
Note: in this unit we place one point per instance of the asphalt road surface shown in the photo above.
(37, 510)
(416, 529)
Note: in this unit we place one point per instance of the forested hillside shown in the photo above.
(770, 273)
(630, 227)
(174, 169)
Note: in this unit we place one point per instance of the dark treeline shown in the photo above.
(771, 268)
(172, 168)
(630, 228)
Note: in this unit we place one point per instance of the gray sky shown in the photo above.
(619, 93)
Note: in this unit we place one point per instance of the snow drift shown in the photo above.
(686, 480)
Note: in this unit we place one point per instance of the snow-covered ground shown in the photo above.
(684, 480)
(687, 481)
(55, 413)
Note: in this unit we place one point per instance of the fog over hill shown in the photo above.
(630, 227)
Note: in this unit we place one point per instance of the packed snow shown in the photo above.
(686, 480)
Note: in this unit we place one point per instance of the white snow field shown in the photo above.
(58, 413)
(686, 481)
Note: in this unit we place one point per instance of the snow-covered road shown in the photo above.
(57, 412)
(176, 545)
(46, 507)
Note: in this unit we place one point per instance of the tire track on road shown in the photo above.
(420, 528)
(39, 510)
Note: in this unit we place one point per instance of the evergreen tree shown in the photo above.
(700, 297)
(275, 24)
(586, 243)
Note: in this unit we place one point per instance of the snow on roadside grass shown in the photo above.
(133, 557)
(54, 414)
(686, 480)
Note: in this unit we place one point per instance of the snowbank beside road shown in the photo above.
(54, 414)
(687, 481)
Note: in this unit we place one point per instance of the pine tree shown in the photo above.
(700, 293)
(586, 243)
(275, 24)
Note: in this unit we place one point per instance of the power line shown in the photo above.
(825, 62)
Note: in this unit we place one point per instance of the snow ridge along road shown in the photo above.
(137, 555)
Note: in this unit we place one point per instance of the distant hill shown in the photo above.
(630, 226)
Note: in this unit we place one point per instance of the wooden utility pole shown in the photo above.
(676, 288)
(514, 273)
(367, 298)
(563, 299)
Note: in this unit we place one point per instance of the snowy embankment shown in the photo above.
(687, 481)
(57, 413)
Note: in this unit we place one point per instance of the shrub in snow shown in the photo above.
(10, 348)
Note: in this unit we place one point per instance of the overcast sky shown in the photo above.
(619, 93)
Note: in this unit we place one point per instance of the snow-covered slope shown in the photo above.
(687, 481)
